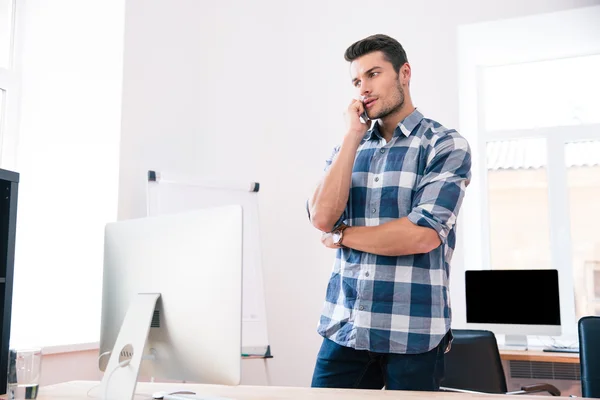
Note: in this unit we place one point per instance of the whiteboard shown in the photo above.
(172, 194)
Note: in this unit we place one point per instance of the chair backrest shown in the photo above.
(473, 362)
(589, 356)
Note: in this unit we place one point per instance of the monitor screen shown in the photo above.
(517, 297)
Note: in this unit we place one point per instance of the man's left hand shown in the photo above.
(327, 240)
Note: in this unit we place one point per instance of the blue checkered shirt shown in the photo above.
(399, 304)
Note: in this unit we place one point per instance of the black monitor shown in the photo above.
(514, 302)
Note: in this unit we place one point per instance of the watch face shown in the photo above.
(336, 237)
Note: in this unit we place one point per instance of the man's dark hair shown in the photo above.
(391, 49)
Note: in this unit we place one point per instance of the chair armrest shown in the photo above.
(541, 387)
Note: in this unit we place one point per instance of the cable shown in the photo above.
(92, 388)
(556, 345)
(99, 358)
(543, 342)
(120, 365)
(572, 345)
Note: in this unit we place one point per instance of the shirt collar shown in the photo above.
(406, 125)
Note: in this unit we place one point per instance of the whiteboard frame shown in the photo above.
(156, 177)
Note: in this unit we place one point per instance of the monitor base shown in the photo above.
(515, 342)
(121, 375)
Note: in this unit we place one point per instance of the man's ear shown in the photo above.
(405, 73)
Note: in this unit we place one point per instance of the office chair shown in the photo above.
(589, 356)
(473, 365)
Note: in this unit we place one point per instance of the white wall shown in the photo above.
(71, 366)
(256, 90)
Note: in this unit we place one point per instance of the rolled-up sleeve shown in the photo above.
(440, 192)
(328, 163)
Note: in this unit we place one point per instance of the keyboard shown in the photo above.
(561, 350)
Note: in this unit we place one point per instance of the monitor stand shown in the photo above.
(515, 342)
(121, 374)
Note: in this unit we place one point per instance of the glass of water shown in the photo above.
(24, 368)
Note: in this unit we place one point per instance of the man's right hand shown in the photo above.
(356, 128)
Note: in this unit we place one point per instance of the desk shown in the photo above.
(77, 391)
(539, 355)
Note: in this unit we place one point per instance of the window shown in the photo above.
(551, 93)
(68, 156)
(8, 85)
(583, 185)
(520, 215)
(6, 32)
(531, 80)
(518, 204)
(542, 162)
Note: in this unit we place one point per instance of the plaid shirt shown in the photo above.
(399, 304)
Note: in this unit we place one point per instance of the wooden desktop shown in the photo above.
(539, 355)
(78, 390)
(86, 390)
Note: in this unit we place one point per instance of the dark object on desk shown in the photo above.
(473, 364)
(589, 356)
(515, 314)
(9, 182)
(561, 350)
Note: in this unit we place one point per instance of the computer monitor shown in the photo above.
(516, 303)
(172, 299)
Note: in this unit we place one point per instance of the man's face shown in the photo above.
(378, 85)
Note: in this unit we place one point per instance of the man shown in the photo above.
(388, 203)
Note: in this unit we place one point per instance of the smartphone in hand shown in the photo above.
(364, 115)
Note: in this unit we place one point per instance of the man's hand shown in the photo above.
(356, 128)
(327, 240)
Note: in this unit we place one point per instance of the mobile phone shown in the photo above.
(364, 115)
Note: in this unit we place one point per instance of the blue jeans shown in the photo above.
(343, 367)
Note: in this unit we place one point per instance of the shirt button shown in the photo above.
(382, 150)
(374, 210)
(361, 308)
(377, 179)
(367, 274)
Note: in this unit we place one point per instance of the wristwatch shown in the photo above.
(338, 235)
